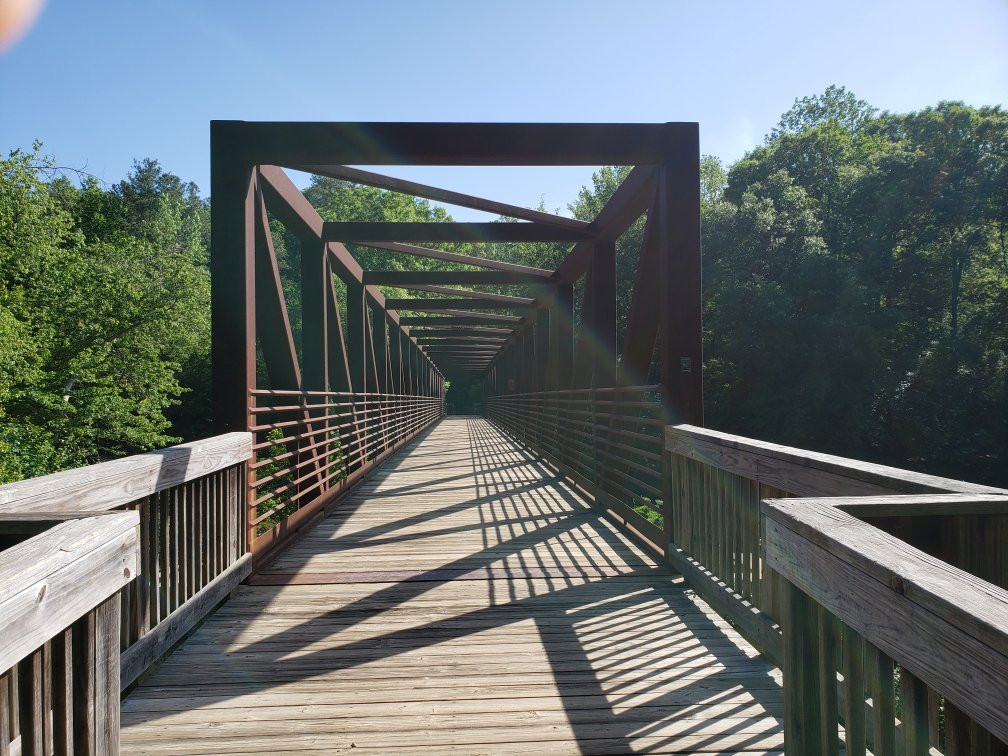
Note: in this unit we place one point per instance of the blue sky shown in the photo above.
(104, 83)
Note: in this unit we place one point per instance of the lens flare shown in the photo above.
(16, 18)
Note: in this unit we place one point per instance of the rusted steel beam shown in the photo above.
(410, 278)
(602, 318)
(276, 339)
(403, 186)
(339, 366)
(453, 257)
(232, 278)
(306, 143)
(542, 348)
(483, 316)
(624, 207)
(627, 203)
(465, 338)
(460, 330)
(642, 325)
(469, 320)
(681, 347)
(504, 299)
(386, 231)
(432, 304)
(561, 323)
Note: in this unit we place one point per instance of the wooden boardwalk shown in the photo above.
(462, 601)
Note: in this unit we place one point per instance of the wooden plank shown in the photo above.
(958, 644)
(108, 485)
(468, 594)
(803, 472)
(50, 580)
(32, 714)
(106, 676)
(142, 654)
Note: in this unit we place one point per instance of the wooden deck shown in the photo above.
(465, 601)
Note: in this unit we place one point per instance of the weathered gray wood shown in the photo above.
(827, 694)
(30, 704)
(946, 627)
(109, 485)
(971, 603)
(5, 723)
(84, 693)
(913, 704)
(756, 626)
(803, 725)
(854, 687)
(879, 677)
(806, 473)
(138, 657)
(62, 697)
(106, 677)
(50, 580)
(463, 599)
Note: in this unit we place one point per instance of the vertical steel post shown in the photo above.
(681, 332)
(232, 278)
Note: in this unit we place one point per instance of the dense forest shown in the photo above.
(855, 279)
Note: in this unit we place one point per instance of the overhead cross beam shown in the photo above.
(408, 278)
(392, 231)
(451, 318)
(432, 304)
(357, 176)
(294, 144)
(454, 257)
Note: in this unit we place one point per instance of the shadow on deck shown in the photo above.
(463, 600)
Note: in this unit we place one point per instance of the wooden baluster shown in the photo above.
(30, 709)
(5, 723)
(913, 713)
(62, 692)
(828, 642)
(879, 677)
(803, 725)
(854, 687)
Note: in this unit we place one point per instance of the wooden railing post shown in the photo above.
(803, 725)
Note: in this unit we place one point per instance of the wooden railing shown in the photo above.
(312, 446)
(845, 574)
(59, 621)
(125, 557)
(607, 441)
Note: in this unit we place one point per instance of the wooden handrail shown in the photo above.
(945, 626)
(777, 540)
(52, 579)
(803, 472)
(110, 485)
(60, 623)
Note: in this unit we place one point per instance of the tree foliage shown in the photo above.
(103, 309)
(855, 281)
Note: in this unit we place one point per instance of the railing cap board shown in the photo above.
(946, 626)
(803, 472)
(52, 579)
(108, 485)
(915, 505)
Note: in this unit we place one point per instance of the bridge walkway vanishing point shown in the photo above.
(464, 600)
